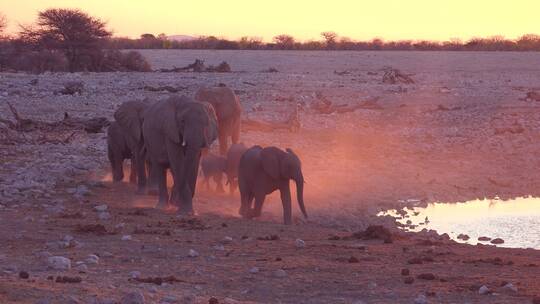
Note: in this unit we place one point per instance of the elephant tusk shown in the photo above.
(183, 143)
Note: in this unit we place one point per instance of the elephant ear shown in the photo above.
(129, 116)
(270, 162)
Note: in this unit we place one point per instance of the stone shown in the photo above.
(169, 299)
(420, 299)
(193, 253)
(299, 243)
(254, 270)
(92, 259)
(227, 240)
(405, 272)
(134, 274)
(483, 290)
(134, 297)
(426, 276)
(509, 287)
(104, 216)
(59, 263)
(280, 273)
(126, 238)
(213, 300)
(219, 247)
(484, 239)
(81, 268)
(101, 208)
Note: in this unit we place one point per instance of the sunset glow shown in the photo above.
(361, 20)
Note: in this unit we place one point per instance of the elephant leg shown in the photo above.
(133, 172)
(141, 172)
(162, 182)
(219, 185)
(154, 178)
(233, 184)
(235, 137)
(223, 142)
(285, 192)
(246, 200)
(257, 210)
(207, 183)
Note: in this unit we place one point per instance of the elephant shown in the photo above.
(117, 151)
(262, 171)
(130, 118)
(233, 160)
(228, 111)
(175, 131)
(213, 166)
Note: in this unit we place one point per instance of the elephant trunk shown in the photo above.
(300, 194)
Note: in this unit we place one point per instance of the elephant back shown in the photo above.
(223, 99)
(130, 117)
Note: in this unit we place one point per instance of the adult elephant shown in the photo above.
(130, 118)
(228, 111)
(263, 171)
(175, 132)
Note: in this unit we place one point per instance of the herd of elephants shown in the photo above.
(176, 133)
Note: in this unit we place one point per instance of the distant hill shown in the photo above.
(181, 37)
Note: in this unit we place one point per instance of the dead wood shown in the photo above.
(169, 89)
(199, 67)
(92, 125)
(291, 124)
(394, 76)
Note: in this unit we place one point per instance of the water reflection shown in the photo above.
(516, 221)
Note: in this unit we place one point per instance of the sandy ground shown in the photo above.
(463, 131)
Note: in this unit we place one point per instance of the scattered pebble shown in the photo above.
(59, 263)
(420, 299)
(126, 238)
(101, 208)
(135, 297)
(104, 216)
(510, 287)
(92, 259)
(280, 273)
(134, 274)
(193, 253)
(254, 270)
(227, 240)
(484, 290)
(299, 243)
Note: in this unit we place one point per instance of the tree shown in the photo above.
(3, 23)
(148, 36)
(284, 41)
(330, 38)
(79, 36)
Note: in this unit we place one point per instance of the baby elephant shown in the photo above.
(233, 160)
(118, 150)
(214, 166)
(261, 172)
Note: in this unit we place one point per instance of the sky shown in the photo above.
(303, 19)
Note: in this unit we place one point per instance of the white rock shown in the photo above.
(193, 253)
(104, 216)
(92, 259)
(81, 268)
(254, 270)
(227, 240)
(101, 208)
(59, 263)
(280, 273)
(126, 238)
(483, 290)
(135, 297)
(299, 243)
(421, 299)
(510, 287)
(135, 274)
(219, 247)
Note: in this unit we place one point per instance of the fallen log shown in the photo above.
(92, 125)
(394, 76)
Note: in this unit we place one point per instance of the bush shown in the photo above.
(35, 61)
(117, 61)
